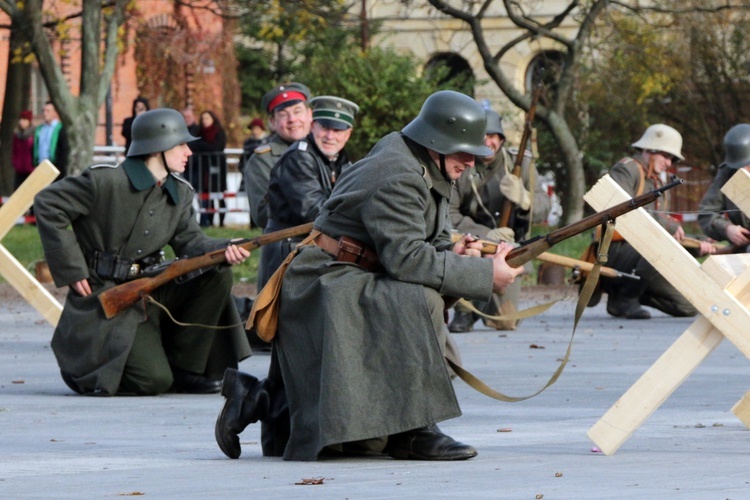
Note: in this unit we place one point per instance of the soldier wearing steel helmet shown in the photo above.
(476, 204)
(657, 150)
(361, 334)
(98, 229)
(719, 217)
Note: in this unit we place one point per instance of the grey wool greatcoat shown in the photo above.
(118, 210)
(361, 352)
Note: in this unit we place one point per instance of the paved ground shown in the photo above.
(58, 445)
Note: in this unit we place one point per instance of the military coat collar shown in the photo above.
(431, 171)
(141, 178)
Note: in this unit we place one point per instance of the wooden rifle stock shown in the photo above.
(536, 246)
(490, 247)
(120, 297)
(694, 243)
(504, 219)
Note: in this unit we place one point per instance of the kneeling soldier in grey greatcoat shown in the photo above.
(94, 228)
(361, 330)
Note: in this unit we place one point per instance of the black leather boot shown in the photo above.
(192, 383)
(427, 443)
(626, 307)
(462, 322)
(247, 402)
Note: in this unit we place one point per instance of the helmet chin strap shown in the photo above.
(443, 170)
(166, 165)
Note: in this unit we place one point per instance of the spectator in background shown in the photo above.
(192, 125)
(210, 162)
(50, 141)
(23, 147)
(258, 136)
(140, 105)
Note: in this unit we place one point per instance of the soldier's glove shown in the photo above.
(501, 234)
(513, 189)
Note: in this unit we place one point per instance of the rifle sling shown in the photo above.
(583, 300)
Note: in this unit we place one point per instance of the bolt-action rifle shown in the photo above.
(120, 297)
(536, 246)
(504, 219)
(489, 247)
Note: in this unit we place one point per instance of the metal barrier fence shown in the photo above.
(217, 179)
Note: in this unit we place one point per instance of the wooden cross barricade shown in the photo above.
(12, 270)
(718, 289)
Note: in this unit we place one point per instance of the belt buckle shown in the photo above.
(135, 270)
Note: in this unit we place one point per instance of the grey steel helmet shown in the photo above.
(450, 122)
(158, 130)
(494, 123)
(737, 146)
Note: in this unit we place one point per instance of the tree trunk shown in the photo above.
(17, 84)
(572, 200)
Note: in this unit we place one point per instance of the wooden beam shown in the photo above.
(23, 197)
(30, 289)
(12, 270)
(677, 266)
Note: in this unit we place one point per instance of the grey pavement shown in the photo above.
(54, 444)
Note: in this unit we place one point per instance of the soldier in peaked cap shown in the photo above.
(656, 151)
(303, 178)
(361, 310)
(719, 217)
(290, 118)
(121, 217)
(476, 204)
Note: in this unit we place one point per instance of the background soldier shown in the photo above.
(658, 149)
(476, 204)
(290, 119)
(123, 215)
(361, 330)
(303, 178)
(719, 217)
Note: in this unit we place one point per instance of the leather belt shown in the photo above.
(347, 249)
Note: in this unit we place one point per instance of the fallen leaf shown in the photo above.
(558, 474)
(505, 429)
(131, 494)
(18, 381)
(311, 480)
(534, 346)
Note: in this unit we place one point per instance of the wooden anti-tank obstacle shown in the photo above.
(12, 270)
(718, 289)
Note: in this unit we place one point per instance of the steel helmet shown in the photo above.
(660, 137)
(494, 123)
(737, 146)
(450, 122)
(158, 130)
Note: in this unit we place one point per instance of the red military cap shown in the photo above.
(285, 95)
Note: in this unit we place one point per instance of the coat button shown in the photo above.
(151, 212)
(146, 232)
(138, 252)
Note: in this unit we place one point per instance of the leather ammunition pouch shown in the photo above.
(347, 249)
(114, 267)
